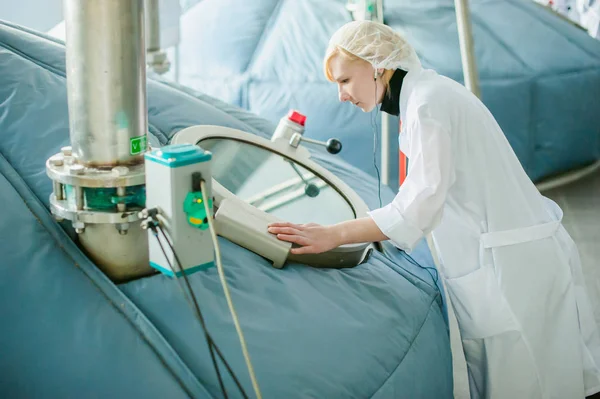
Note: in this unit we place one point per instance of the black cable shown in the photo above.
(426, 268)
(201, 319)
(197, 308)
(199, 314)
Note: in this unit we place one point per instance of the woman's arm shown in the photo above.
(315, 238)
(416, 209)
(358, 230)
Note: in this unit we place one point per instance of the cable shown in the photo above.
(226, 291)
(196, 307)
(426, 268)
(212, 342)
(374, 127)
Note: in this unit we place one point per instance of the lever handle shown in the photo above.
(310, 189)
(333, 146)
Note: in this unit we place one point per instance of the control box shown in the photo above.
(173, 176)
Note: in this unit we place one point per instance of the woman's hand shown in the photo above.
(313, 238)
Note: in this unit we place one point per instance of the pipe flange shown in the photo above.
(64, 169)
(62, 209)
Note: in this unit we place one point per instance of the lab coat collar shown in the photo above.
(391, 100)
(408, 85)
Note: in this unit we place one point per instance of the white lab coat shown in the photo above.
(511, 270)
(589, 16)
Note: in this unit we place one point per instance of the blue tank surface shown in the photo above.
(376, 330)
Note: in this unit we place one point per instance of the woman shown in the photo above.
(512, 271)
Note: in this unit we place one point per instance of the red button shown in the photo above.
(297, 117)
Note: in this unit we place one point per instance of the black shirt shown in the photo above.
(391, 100)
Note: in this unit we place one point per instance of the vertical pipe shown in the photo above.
(465, 37)
(106, 81)
(106, 88)
(152, 26)
(385, 118)
(177, 65)
(79, 198)
(58, 190)
(380, 10)
(121, 191)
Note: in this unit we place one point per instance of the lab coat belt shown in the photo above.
(520, 235)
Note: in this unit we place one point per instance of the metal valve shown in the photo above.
(333, 146)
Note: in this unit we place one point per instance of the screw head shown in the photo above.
(76, 169)
(78, 226)
(120, 170)
(122, 228)
(56, 160)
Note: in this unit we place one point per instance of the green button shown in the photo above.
(193, 206)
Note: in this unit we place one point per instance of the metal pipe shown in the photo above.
(121, 191)
(106, 90)
(156, 58)
(106, 81)
(467, 53)
(57, 188)
(152, 26)
(79, 197)
(288, 198)
(177, 64)
(385, 121)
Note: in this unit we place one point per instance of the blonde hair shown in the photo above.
(339, 51)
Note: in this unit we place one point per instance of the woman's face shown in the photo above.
(356, 82)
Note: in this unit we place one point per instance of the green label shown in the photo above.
(137, 145)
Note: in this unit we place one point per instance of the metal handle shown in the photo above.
(333, 146)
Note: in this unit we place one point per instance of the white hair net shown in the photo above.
(375, 43)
